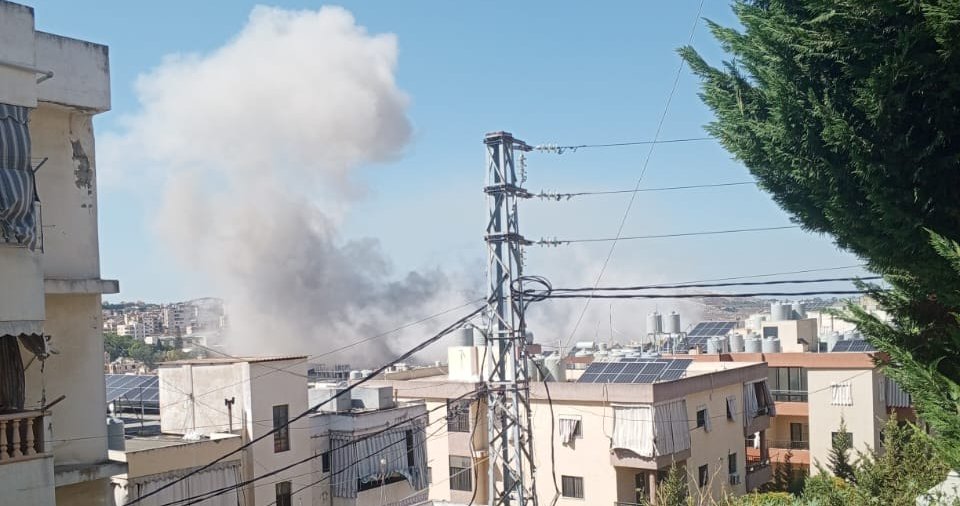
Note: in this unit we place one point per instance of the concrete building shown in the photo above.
(612, 443)
(248, 396)
(153, 462)
(50, 88)
(814, 391)
(135, 330)
(391, 438)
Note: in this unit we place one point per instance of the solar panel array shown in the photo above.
(711, 329)
(132, 388)
(635, 371)
(856, 345)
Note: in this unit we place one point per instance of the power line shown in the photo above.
(562, 242)
(643, 171)
(696, 295)
(714, 285)
(754, 276)
(312, 409)
(567, 196)
(558, 149)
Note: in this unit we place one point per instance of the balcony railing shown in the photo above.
(789, 395)
(791, 445)
(21, 436)
(756, 463)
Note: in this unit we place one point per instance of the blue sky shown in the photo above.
(564, 72)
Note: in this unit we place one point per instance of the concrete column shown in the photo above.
(652, 481)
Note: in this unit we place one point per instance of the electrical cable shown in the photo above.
(712, 285)
(705, 295)
(643, 171)
(567, 196)
(555, 148)
(312, 409)
(562, 242)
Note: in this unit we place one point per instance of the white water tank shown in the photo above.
(672, 325)
(654, 323)
(479, 338)
(115, 434)
(770, 345)
(736, 343)
(554, 369)
(752, 345)
(464, 336)
(366, 373)
(712, 346)
(832, 340)
(355, 375)
(529, 336)
(799, 312)
(780, 312)
(534, 365)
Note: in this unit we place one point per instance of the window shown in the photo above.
(283, 494)
(842, 438)
(461, 475)
(571, 486)
(570, 429)
(701, 418)
(797, 441)
(281, 438)
(788, 384)
(841, 394)
(703, 473)
(458, 416)
(732, 463)
(325, 462)
(429, 475)
(731, 407)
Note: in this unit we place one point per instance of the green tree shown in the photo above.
(846, 111)
(116, 345)
(839, 456)
(673, 491)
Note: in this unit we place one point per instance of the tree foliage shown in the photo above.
(674, 490)
(150, 354)
(847, 112)
(839, 456)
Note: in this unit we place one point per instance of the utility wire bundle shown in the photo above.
(546, 291)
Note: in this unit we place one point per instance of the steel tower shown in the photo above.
(510, 449)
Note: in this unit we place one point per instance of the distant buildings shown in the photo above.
(200, 317)
(53, 439)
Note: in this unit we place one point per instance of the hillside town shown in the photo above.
(802, 387)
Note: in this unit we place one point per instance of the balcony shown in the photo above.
(758, 472)
(789, 395)
(21, 436)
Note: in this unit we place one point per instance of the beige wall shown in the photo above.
(78, 422)
(725, 437)
(186, 455)
(864, 418)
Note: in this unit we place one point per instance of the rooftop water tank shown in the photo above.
(115, 434)
(736, 343)
(752, 345)
(672, 325)
(770, 345)
(529, 336)
(799, 312)
(712, 346)
(464, 336)
(534, 366)
(355, 375)
(832, 339)
(780, 312)
(654, 323)
(554, 369)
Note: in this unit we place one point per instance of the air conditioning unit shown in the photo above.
(735, 479)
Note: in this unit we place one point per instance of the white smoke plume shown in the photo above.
(256, 143)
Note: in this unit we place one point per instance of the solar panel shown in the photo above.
(711, 329)
(645, 370)
(132, 388)
(853, 346)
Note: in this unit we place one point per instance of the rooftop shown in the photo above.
(140, 443)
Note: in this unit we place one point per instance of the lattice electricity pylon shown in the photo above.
(510, 447)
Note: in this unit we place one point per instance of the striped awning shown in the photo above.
(18, 193)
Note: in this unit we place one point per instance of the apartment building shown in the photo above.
(376, 445)
(53, 446)
(132, 329)
(610, 439)
(247, 396)
(816, 381)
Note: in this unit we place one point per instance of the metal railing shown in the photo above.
(757, 463)
(789, 395)
(21, 436)
(790, 444)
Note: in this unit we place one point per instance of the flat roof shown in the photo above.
(141, 443)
